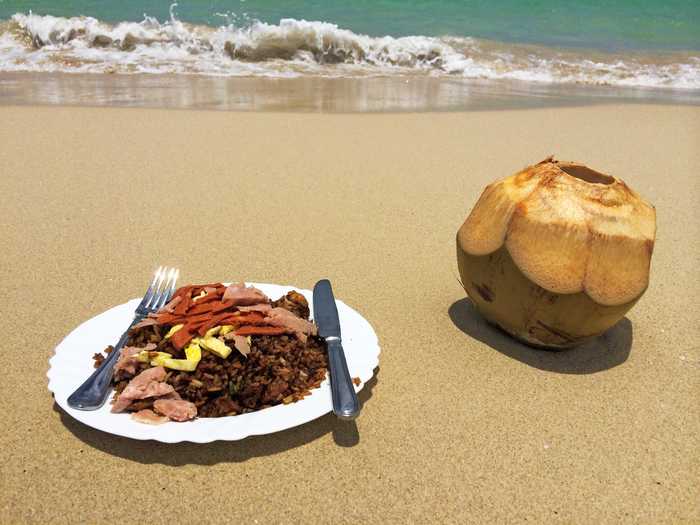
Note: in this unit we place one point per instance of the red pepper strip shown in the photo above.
(261, 330)
(166, 318)
(199, 288)
(197, 318)
(204, 323)
(181, 309)
(197, 321)
(198, 309)
(206, 299)
(180, 338)
(223, 305)
(194, 328)
(252, 318)
(181, 292)
(211, 285)
(205, 327)
(209, 307)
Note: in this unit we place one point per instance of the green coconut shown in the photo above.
(557, 253)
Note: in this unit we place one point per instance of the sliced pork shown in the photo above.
(149, 417)
(148, 383)
(176, 409)
(240, 342)
(263, 308)
(148, 321)
(241, 295)
(127, 362)
(283, 318)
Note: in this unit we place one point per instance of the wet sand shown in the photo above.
(461, 425)
(415, 93)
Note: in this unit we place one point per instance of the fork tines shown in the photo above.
(161, 288)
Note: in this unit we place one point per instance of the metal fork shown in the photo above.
(92, 394)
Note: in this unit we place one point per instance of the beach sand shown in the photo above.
(461, 425)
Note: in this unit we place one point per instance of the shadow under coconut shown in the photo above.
(604, 352)
(345, 434)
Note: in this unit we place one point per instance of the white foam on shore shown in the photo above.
(30, 42)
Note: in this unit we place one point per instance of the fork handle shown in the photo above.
(92, 394)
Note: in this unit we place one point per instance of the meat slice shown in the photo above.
(148, 383)
(171, 395)
(149, 417)
(154, 389)
(177, 410)
(127, 358)
(148, 321)
(242, 295)
(121, 403)
(285, 319)
(262, 308)
(240, 342)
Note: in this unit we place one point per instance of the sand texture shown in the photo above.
(462, 424)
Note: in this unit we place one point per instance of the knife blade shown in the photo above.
(345, 403)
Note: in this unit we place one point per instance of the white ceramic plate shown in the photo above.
(72, 364)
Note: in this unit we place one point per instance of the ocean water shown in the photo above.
(624, 24)
(629, 43)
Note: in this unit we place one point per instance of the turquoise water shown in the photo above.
(626, 44)
(608, 26)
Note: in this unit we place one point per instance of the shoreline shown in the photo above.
(315, 94)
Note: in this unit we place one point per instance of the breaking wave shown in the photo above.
(30, 42)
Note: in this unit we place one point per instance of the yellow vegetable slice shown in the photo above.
(181, 364)
(144, 356)
(212, 332)
(160, 358)
(172, 331)
(193, 352)
(201, 294)
(216, 346)
(226, 329)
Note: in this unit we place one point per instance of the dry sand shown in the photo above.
(462, 425)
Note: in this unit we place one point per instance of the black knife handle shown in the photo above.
(345, 403)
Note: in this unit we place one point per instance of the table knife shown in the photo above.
(345, 403)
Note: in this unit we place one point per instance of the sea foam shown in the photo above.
(30, 42)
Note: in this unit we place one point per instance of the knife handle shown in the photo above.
(345, 403)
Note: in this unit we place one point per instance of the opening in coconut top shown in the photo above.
(586, 174)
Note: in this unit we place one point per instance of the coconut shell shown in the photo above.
(570, 232)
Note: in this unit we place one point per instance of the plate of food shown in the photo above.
(217, 362)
